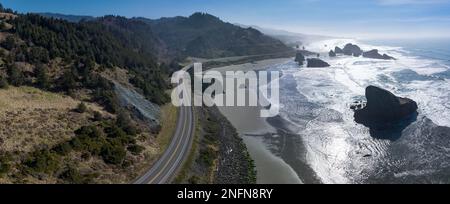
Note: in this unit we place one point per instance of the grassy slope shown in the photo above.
(32, 119)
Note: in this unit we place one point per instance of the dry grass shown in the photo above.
(118, 75)
(30, 118)
(3, 36)
(183, 173)
(154, 149)
(7, 16)
(169, 118)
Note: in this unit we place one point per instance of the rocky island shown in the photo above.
(352, 50)
(356, 51)
(384, 109)
(311, 62)
(332, 53)
(317, 63)
(338, 50)
(300, 58)
(375, 55)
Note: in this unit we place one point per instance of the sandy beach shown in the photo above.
(259, 134)
(255, 66)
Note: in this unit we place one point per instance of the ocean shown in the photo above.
(324, 137)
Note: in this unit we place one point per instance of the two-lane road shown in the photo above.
(166, 167)
(164, 170)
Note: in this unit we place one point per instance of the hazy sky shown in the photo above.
(346, 18)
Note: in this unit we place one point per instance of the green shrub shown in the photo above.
(115, 132)
(68, 81)
(9, 43)
(81, 108)
(72, 176)
(42, 78)
(5, 165)
(3, 83)
(89, 138)
(113, 154)
(127, 163)
(2, 25)
(108, 141)
(131, 130)
(98, 116)
(107, 98)
(93, 145)
(136, 149)
(76, 144)
(63, 148)
(85, 156)
(124, 121)
(16, 77)
(43, 161)
(194, 180)
(207, 156)
(90, 131)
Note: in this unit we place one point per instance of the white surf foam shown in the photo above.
(329, 144)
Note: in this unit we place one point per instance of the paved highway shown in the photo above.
(164, 170)
(166, 167)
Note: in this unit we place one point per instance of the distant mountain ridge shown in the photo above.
(199, 35)
(204, 35)
(70, 18)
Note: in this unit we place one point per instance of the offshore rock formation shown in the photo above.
(332, 53)
(338, 50)
(384, 109)
(315, 62)
(375, 55)
(352, 50)
(300, 58)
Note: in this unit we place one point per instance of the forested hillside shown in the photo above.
(204, 35)
(62, 121)
(199, 35)
(38, 41)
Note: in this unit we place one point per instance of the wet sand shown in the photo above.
(257, 133)
(255, 66)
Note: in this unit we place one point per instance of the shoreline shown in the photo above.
(271, 144)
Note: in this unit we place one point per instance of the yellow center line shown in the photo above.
(173, 154)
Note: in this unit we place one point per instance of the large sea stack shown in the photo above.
(352, 50)
(384, 108)
(317, 63)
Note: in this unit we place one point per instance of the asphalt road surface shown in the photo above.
(166, 167)
(164, 170)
